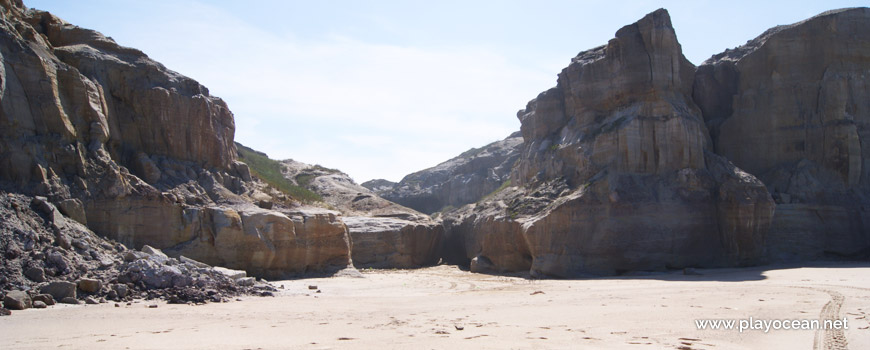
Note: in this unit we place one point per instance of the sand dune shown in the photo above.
(445, 308)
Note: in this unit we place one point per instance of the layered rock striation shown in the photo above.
(617, 173)
(50, 258)
(791, 107)
(383, 234)
(139, 153)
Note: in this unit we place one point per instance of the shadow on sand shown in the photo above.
(734, 274)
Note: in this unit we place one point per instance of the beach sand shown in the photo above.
(443, 307)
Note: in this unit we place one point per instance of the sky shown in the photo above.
(381, 89)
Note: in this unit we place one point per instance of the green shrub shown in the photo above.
(504, 185)
(270, 171)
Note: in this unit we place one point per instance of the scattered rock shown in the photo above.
(74, 209)
(80, 244)
(70, 300)
(154, 252)
(39, 305)
(17, 300)
(47, 299)
(91, 301)
(458, 327)
(246, 281)
(537, 292)
(187, 260)
(5, 312)
(120, 290)
(152, 306)
(312, 287)
(60, 290)
(232, 274)
(91, 286)
(35, 274)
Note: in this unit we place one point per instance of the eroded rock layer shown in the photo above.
(616, 173)
(791, 107)
(140, 153)
(383, 234)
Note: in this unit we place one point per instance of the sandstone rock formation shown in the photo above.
(383, 234)
(48, 257)
(617, 173)
(139, 153)
(791, 106)
(464, 179)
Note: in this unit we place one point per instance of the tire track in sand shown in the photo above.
(830, 339)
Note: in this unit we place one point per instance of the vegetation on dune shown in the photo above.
(269, 171)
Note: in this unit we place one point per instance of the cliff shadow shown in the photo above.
(730, 274)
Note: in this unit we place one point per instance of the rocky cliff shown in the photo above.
(791, 106)
(49, 258)
(383, 234)
(616, 172)
(464, 179)
(139, 153)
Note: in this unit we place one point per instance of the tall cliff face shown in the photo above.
(616, 173)
(139, 153)
(625, 106)
(791, 107)
(464, 179)
(70, 86)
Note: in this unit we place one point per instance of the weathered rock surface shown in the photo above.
(139, 153)
(384, 234)
(94, 267)
(464, 179)
(791, 106)
(616, 173)
(17, 300)
(379, 186)
(304, 240)
(46, 299)
(383, 242)
(90, 285)
(59, 290)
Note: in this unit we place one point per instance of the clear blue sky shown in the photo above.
(380, 89)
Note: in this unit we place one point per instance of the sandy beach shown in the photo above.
(446, 308)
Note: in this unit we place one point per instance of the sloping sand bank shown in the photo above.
(446, 308)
